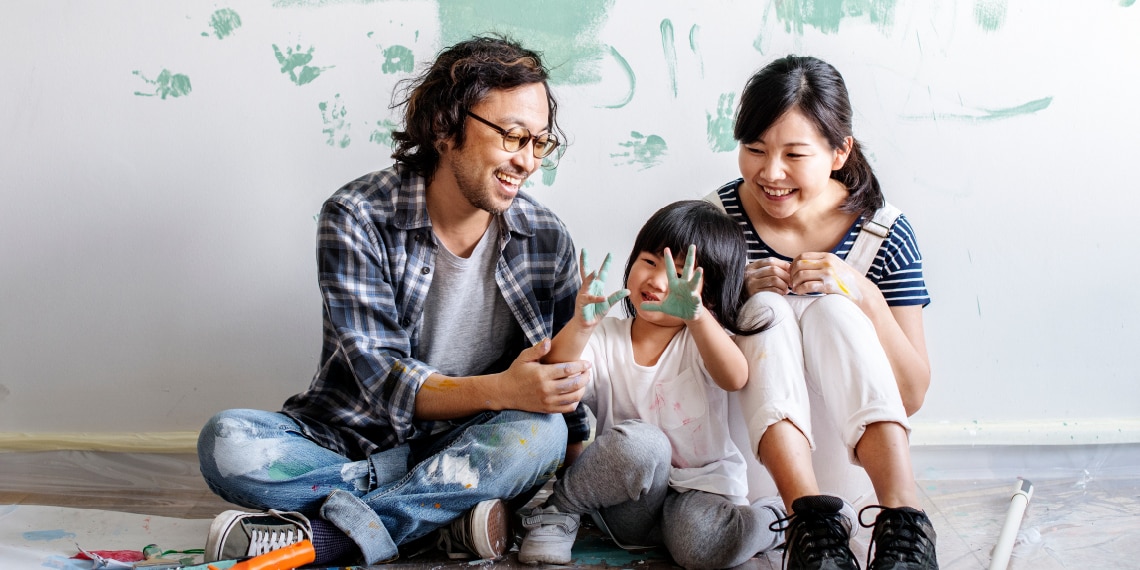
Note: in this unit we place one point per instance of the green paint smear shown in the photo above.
(398, 59)
(295, 63)
(336, 127)
(167, 84)
(383, 133)
(646, 151)
(1127, 3)
(670, 51)
(548, 175)
(693, 31)
(629, 76)
(279, 471)
(566, 33)
(319, 3)
(720, 126)
(991, 114)
(224, 22)
(990, 14)
(826, 15)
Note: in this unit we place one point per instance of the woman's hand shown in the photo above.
(768, 274)
(815, 272)
(591, 303)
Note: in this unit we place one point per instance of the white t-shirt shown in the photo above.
(678, 396)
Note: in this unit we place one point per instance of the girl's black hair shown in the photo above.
(816, 89)
(721, 253)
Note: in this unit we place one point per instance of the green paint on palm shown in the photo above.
(989, 14)
(295, 63)
(224, 22)
(646, 151)
(398, 59)
(720, 126)
(565, 32)
(670, 51)
(336, 126)
(167, 84)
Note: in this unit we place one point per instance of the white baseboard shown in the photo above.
(937, 433)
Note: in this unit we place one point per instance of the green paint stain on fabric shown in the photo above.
(990, 14)
(720, 125)
(295, 63)
(566, 33)
(280, 471)
(336, 126)
(224, 22)
(670, 51)
(167, 84)
(645, 151)
(826, 15)
(382, 134)
(398, 59)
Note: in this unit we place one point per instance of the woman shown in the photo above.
(852, 337)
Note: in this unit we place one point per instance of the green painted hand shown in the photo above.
(592, 300)
(684, 297)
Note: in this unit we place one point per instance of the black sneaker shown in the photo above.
(483, 531)
(817, 535)
(903, 539)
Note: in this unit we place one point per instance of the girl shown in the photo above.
(851, 337)
(662, 469)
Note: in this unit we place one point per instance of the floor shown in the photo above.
(1084, 512)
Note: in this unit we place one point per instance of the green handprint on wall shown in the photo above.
(167, 84)
(292, 59)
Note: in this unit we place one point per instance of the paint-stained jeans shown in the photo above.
(261, 460)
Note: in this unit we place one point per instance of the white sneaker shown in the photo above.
(481, 532)
(550, 536)
(238, 534)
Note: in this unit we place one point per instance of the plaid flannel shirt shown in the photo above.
(375, 261)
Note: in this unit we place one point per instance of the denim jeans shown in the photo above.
(261, 460)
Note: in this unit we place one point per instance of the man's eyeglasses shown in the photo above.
(516, 138)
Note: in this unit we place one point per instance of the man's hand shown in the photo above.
(531, 386)
(592, 303)
(684, 297)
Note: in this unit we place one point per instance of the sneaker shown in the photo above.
(817, 534)
(903, 539)
(776, 505)
(238, 534)
(550, 536)
(481, 532)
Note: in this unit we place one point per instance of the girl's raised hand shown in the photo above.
(592, 302)
(684, 297)
(768, 274)
(815, 272)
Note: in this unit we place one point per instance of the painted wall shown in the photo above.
(163, 163)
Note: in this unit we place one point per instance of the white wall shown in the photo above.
(156, 254)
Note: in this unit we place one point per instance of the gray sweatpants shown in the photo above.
(623, 478)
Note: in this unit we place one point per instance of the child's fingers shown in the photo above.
(605, 267)
(617, 296)
(651, 306)
(690, 259)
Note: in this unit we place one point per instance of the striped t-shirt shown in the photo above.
(897, 268)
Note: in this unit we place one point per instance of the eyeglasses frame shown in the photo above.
(523, 141)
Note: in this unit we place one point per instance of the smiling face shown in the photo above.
(790, 166)
(487, 177)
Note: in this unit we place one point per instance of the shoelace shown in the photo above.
(564, 520)
(831, 543)
(262, 541)
(903, 533)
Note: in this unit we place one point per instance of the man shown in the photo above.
(442, 283)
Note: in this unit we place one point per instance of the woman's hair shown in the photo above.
(721, 254)
(816, 89)
(436, 101)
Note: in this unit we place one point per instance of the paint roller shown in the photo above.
(287, 558)
(1022, 493)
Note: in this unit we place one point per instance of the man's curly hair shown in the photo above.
(436, 101)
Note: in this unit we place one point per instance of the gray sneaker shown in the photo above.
(482, 531)
(238, 534)
(550, 536)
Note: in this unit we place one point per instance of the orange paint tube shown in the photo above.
(287, 558)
